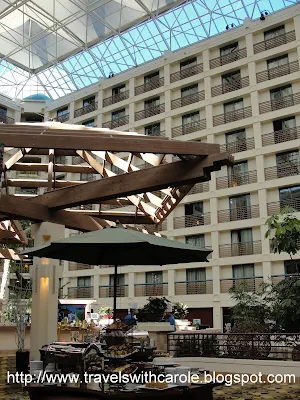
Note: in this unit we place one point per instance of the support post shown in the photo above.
(115, 291)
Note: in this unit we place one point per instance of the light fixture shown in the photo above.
(230, 26)
(263, 15)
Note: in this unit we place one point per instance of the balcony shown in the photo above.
(238, 146)
(76, 160)
(115, 123)
(278, 278)
(63, 118)
(186, 100)
(80, 293)
(274, 42)
(85, 110)
(228, 58)
(27, 174)
(189, 128)
(149, 112)
(240, 249)
(116, 98)
(188, 221)
(73, 266)
(186, 73)
(276, 206)
(284, 135)
(150, 289)
(232, 116)
(108, 291)
(155, 83)
(230, 87)
(5, 119)
(282, 171)
(250, 284)
(193, 287)
(277, 104)
(201, 187)
(238, 213)
(277, 72)
(229, 181)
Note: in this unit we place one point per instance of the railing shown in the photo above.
(255, 346)
(284, 135)
(274, 42)
(228, 58)
(146, 87)
(151, 228)
(230, 87)
(27, 174)
(186, 100)
(193, 287)
(73, 266)
(238, 146)
(240, 249)
(238, 213)
(151, 289)
(282, 171)
(276, 72)
(248, 284)
(186, 73)
(236, 180)
(278, 278)
(232, 116)
(116, 122)
(108, 291)
(116, 98)
(87, 109)
(6, 120)
(276, 206)
(277, 104)
(189, 128)
(80, 293)
(201, 187)
(187, 221)
(63, 118)
(149, 112)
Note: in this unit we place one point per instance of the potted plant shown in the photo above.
(180, 310)
(154, 310)
(105, 312)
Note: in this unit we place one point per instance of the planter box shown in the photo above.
(158, 331)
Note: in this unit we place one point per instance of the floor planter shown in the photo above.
(22, 361)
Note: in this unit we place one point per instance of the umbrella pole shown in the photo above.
(115, 292)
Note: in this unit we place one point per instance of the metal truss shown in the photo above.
(56, 47)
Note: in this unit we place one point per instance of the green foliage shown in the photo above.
(154, 310)
(105, 310)
(284, 232)
(180, 310)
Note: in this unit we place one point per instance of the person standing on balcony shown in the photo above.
(130, 318)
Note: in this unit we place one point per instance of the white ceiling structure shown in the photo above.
(56, 47)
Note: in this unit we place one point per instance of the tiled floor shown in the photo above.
(235, 392)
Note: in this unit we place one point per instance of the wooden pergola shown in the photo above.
(150, 174)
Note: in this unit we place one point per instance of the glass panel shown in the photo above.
(189, 118)
(187, 64)
(292, 267)
(189, 90)
(3, 110)
(239, 201)
(152, 130)
(120, 279)
(277, 62)
(196, 274)
(151, 77)
(241, 236)
(232, 137)
(88, 101)
(194, 208)
(281, 92)
(289, 157)
(118, 114)
(233, 106)
(196, 240)
(118, 90)
(90, 123)
(152, 103)
(154, 277)
(84, 281)
(62, 112)
(290, 193)
(272, 33)
(231, 78)
(229, 49)
(243, 271)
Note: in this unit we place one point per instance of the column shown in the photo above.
(99, 116)
(131, 104)
(71, 110)
(131, 286)
(96, 285)
(171, 283)
(217, 310)
(267, 271)
(45, 274)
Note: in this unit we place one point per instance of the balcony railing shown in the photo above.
(149, 112)
(189, 128)
(87, 109)
(284, 135)
(240, 249)
(232, 116)
(228, 58)
(250, 284)
(188, 221)
(186, 73)
(151, 289)
(276, 206)
(80, 293)
(193, 287)
(200, 187)
(6, 120)
(108, 291)
(238, 213)
(277, 72)
(277, 104)
(278, 278)
(116, 98)
(274, 42)
(238, 146)
(63, 118)
(230, 87)
(186, 100)
(73, 266)
(116, 122)
(236, 180)
(282, 171)
(146, 87)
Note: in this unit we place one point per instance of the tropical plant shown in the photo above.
(154, 310)
(105, 311)
(180, 310)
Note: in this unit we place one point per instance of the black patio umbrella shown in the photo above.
(119, 246)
